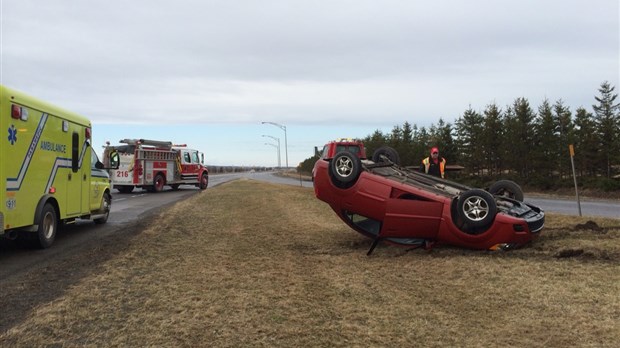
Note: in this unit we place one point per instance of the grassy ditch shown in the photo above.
(255, 264)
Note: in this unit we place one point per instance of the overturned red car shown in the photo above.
(386, 202)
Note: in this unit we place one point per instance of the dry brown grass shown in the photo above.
(254, 264)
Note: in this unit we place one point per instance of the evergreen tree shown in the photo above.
(373, 142)
(406, 149)
(422, 145)
(607, 120)
(446, 142)
(396, 137)
(586, 143)
(519, 125)
(565, 133)
(492, 138)
(545, 141)
(418, 146)
(469, 130)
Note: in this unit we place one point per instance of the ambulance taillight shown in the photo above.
(16, 111)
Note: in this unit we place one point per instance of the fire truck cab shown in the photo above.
(153, 164)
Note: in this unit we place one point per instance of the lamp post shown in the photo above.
(278, 140)
(285, 142)
(278, 151)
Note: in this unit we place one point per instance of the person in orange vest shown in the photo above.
(434, 165)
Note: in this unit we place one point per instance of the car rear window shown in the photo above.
(354, 149)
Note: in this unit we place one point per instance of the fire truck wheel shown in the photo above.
(204, 181)
(158, 183)
(106, 203)
(48, 223)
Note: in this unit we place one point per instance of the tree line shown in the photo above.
(527, 144)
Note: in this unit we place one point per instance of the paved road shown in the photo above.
(609, 209)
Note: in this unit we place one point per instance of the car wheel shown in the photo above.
(204, 182)
(106, 204)
(158, 183)
(508, 189)
(476, 208)
(345, 168)
(48, 224)
(386, 152)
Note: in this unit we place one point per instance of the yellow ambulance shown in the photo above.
(49, 172)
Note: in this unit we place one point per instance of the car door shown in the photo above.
(411, 216)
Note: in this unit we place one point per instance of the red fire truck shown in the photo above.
(153, 164)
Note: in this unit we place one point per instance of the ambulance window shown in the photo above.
(75, 152)
(186, 157)
(195, 157)
(93, 158)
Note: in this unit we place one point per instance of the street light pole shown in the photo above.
(278, 140)
(283, 127)
(278, 151)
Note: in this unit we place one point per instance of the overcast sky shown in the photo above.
(207, 72)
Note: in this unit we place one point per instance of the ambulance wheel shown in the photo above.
(175, 186)
(204, 181)
(48, 223)
(106, 204)
(158, 183)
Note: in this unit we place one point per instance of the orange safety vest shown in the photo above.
(442, 165)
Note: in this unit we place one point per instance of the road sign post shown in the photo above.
(572, 163)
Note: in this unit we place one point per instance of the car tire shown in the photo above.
(476, 208)
(106, 205)
(386, 152)
(345, 168)
(158, 183)
(508, 189)
(204, 182)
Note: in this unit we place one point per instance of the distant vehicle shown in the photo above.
(153, 164)
(49, 173)
(386, 202)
